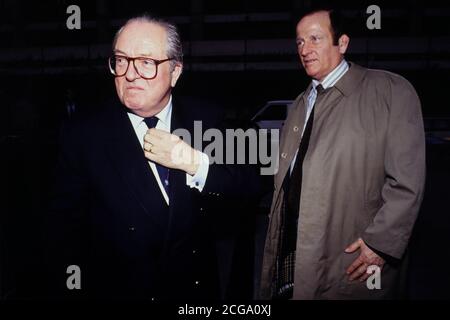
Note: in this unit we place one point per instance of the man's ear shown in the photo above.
(176, 73)
(343, 43)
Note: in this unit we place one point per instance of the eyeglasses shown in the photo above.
(147, 68)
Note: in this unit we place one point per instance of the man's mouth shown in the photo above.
(308, 62)
(134, 88)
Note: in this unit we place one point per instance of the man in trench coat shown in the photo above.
(350, 181)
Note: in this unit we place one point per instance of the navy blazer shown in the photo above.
(108, 215)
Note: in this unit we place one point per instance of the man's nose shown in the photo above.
(304, 50)
(131, 73)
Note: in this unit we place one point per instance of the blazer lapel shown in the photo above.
(180, 209)
(126, 153)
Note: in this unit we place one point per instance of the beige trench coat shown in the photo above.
(363, 176)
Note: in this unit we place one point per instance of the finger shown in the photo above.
(361, 272)
(358, 272)
(353, 247)
(148, 146)
(158, 133)
(150, 156)
(358, 262)
(167, 136)
(156, 150)
(151, 138)
(364, 277)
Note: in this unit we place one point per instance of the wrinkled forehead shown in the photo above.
(319, 21)
(141, 38)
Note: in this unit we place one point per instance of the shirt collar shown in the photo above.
(164, 116)
(333, 77)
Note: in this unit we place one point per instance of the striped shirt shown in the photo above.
(329, 81)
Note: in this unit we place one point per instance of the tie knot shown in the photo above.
(319, 89)
(151, 122)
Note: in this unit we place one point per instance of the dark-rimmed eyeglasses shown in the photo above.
(147, 68)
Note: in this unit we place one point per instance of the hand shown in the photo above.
(358, 269)
(170, 151)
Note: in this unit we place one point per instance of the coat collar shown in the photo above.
(351, 79)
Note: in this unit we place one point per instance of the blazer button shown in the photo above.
(295, 129)
(284, 155)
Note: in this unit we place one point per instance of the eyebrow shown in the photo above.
(314, 34)
(140, 55)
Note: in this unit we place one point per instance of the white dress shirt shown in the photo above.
(165, 115)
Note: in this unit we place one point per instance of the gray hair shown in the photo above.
(174, 48)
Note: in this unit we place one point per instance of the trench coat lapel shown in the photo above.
(290, 137)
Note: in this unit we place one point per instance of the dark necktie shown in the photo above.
(163, 172)
(292, 186)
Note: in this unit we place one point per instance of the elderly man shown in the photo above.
(129, 207)
(350, 179)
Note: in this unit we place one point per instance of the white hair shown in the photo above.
(174, 48)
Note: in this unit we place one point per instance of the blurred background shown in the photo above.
(240, 53)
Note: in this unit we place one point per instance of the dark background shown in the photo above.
(240, 53)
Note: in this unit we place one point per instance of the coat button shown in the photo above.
(284, 155)
(295, 129)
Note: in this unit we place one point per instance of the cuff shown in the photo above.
(387, 258)
(198, 180)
